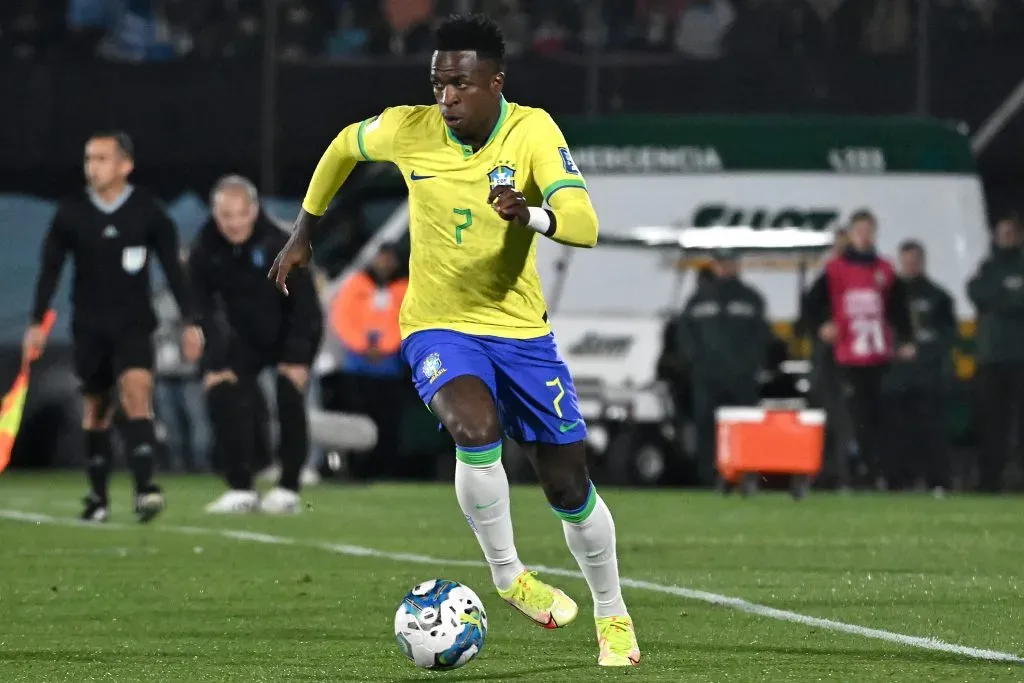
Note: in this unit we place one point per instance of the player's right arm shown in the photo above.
(369, 140)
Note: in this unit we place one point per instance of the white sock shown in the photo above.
(590, 536)
(482, 490)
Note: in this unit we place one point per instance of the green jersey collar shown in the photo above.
(467, 150)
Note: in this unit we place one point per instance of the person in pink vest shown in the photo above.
(859, 306)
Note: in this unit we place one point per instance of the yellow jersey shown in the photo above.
(469, 270)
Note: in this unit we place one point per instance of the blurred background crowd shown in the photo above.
(163, 30)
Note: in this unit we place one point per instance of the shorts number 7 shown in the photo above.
(556, 382)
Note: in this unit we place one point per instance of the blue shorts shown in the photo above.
(530, 383)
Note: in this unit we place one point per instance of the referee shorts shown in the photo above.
(102, 356)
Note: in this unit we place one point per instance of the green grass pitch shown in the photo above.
(199, 598)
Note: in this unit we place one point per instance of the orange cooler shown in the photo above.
(769, 441)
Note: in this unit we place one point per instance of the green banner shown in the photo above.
(661, 144)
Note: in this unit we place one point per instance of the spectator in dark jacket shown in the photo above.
(916, 391)
(250, 326)
(997, 291)
(723, 335)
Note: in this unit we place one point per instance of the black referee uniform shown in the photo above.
(250, 326)
(113, 320)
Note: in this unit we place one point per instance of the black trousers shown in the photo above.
(916, 444)
(1000, 389)
(862, 393)
(827, 393)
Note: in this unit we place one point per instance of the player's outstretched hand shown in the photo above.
(509, 203)
(296, 252)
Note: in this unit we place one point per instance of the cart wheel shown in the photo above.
(749, 484)
(799, 486)
(631, 460)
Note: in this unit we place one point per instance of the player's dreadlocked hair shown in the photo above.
(472, 32)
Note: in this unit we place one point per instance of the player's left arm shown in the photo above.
(369, 140)
(570, 217)
(163, 238)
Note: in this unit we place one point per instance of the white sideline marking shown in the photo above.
(688, 593)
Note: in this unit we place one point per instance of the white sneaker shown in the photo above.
(234, 502)
(279, 501)
(309, 477)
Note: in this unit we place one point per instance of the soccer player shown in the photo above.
(249, 327)
(474, 323)
(109, 231)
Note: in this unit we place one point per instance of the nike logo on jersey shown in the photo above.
(414, 177)
(487, 505)
(568, 426)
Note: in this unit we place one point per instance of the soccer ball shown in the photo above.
(440, 624)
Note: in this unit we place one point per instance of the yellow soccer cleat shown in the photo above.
(544, 604)
(617, 640)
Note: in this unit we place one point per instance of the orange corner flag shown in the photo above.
(13, 405)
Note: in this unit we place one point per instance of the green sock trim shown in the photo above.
(477, 458)
(580, 514)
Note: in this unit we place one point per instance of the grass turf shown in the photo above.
(159, 603)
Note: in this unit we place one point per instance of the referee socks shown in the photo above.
(97, 453)
(139, 440)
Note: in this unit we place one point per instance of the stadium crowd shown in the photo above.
(168, 30)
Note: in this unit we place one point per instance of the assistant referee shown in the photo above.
(109, 231)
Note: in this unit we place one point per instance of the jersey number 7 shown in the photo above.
(467, 221)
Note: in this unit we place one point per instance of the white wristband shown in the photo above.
(539, 221)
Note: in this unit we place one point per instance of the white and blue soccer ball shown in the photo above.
(440, 624)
